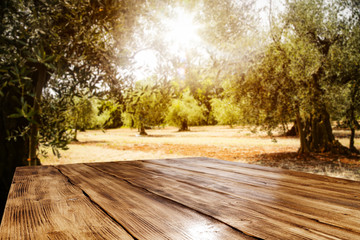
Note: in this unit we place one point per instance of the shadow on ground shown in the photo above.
(345, 135)
(319, 163)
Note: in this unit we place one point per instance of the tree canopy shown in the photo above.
(185, 111)
(146, 106)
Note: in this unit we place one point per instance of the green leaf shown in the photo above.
(50, 58)
(33, 60)
(15, 115)
(21, 42)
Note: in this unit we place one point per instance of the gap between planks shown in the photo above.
(97, 205)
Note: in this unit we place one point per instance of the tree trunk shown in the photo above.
(322, 136)
(184, 126)
(352, 118)
(76, 127)
(41, 76)
(304, 145)
(318, 130)
(352, 136)
(292, 132)
(142, 130)
(316, 135)
(13, 153)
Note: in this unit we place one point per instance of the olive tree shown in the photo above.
(225, 111)
(52, 49)
(185, 111)
(146, 104)
(294, 77)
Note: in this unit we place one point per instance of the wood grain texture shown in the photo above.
(42, 204)
(193, 198)
(146, 215)
(245, 207)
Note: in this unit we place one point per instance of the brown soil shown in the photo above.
(235, 145)
(319, 163)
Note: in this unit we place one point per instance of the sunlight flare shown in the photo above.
(182, 30)
(178, 34)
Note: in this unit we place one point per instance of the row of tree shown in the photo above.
(147, 106)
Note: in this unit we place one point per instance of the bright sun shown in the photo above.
(179, 34)
(182, 30)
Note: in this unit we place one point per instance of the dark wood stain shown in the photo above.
(192, 198)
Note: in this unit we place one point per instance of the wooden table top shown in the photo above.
(193, 198)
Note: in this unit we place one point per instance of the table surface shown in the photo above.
(191, 198)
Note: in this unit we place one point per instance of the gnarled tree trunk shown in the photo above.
(316, 132)
(316, 135)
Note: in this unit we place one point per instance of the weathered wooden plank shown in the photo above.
(282, 179)
(239, 211)
(299, 178)
(42, 204)
(144, 214)
(307, 203)
(340, 211)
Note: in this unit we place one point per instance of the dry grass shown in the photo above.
(233, 144)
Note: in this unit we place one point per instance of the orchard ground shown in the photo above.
(237, 144)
